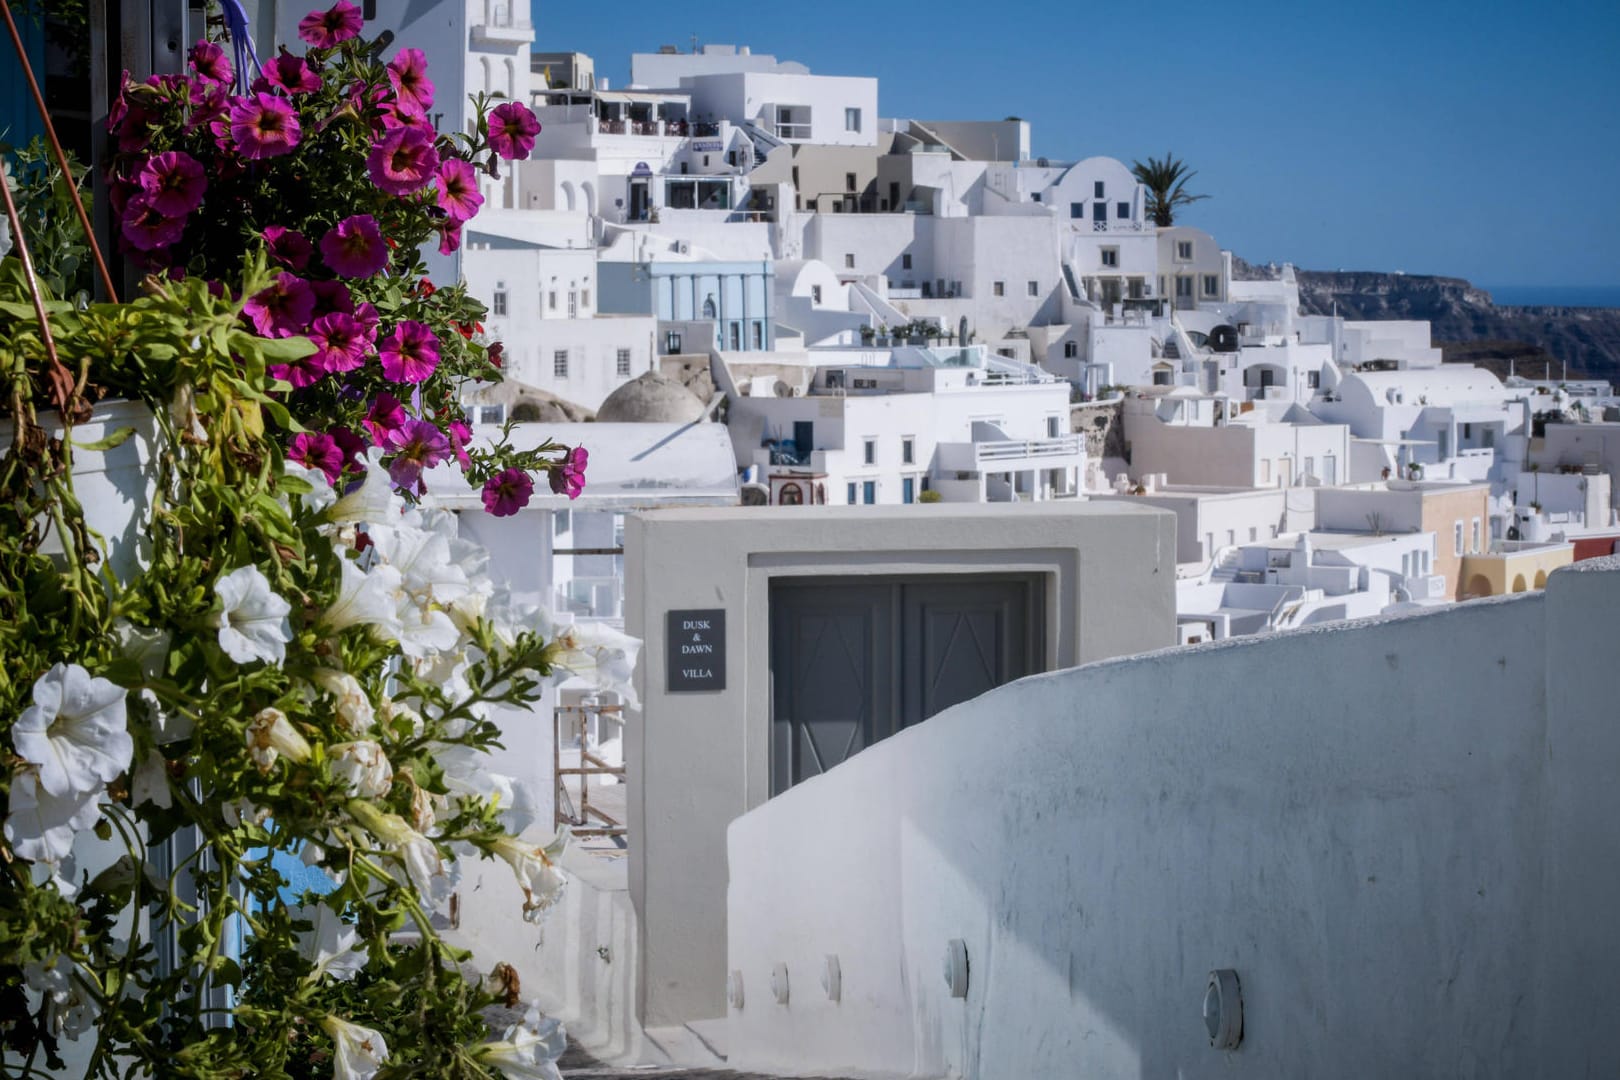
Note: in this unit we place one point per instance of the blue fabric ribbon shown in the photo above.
(236, 21)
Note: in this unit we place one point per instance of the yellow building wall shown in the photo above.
(1512, 572)
(1442, 510)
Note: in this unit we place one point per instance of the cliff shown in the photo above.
(1466, 324)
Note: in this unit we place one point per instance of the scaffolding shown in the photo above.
(574, 721)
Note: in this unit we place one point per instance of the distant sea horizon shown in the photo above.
(1598, 296)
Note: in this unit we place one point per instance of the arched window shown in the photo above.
(568, 194)
(791, 496)
(709, 311)
(511, 78)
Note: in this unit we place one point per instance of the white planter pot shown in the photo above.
(114, 486)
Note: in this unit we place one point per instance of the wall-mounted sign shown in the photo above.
(708, 146)
(641, 169)
(695, 643)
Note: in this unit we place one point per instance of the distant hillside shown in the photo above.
(1466, 324)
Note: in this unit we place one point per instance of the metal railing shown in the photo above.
(1013, 449)
(1118, 226)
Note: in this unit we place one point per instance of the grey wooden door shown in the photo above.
(855, 660)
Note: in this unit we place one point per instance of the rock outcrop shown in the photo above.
(1587, 339)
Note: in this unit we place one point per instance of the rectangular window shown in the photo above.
(1184, 287)
(1034, 288)
(999, 288)
(1097, 190)
(869, 492)
(907, 451)
(852, 493)
(1053, 426)
(1077, 210)
(1458, 538)
(585, 297)
(815, 294)
(849, 181)
(497, 304)
(1071, 349)
(1184, 251)
(551, 300)
(905, 262)
(736, 337)
(672, 342)
(1099, 216)
(1475, 548)
(1212, 285)
(869, 454)
(849, 260)
(1110, 256)
(908, 490)
(852, 120)
(559, 363)
(621, 362)
(1122, 211)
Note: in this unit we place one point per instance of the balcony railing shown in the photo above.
(1119, 226)
(792, 131)
(1017, 449)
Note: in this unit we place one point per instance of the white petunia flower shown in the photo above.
(536, 869)
(353, 706)
(432, 877)
(363, 766)
(422, 630)
(359, 1051)
(70, 1009)
(41, 826)
(238, 811)
(365, 598)
(522, 1055)
(150, 782)
(373, 502)
(76, 731)
(422, 558)
(252, 620)
(330, 946)
(602, 656)
(270, 735)
(320, 496)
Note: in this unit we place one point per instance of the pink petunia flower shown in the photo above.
(418, 446)
(146, 227)
(289, 73)
(287, 247)
(410, 352)
(283, 309)
(334, 296)
(210, 102)
(341, 342)
(386, 416)
(414, 90)
(263, 126)
(334, 26)
(512, 128)
(136, 127)
(210, 63)
(354, 247)
(403, 160)
(449, 236)
(352, 446)
(316, 451)
(305, 371)
(460, 435)
(174, 183)
(568, 475)
(507, 492)
(366, 312)
(458, 190)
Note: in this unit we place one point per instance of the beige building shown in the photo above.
(780, 644)
(1512, 567)
(1457, 514)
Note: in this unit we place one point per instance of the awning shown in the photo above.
(642, 98)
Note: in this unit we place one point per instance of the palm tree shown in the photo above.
(1166, 182)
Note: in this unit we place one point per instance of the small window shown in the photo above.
(999, 288)
(1077, 210)
(1212, 285)
(672, 342)
(869, 455)
(1313, 380)
(736, 337)
(759, 337)
(1036, 196)
(559, 363)
(551, 300)
(815, 294)
(907, 451)
(852, 493)
(849, 260)
(852, 120)
(1071, 349)
(1110, 256)
(1097, 190)
(1475, 547)
(905, 261)
(1122, 211)
(621, 362)
(1184, 251)
(497, 305)
(849, 181)
(1054, 426)
(1034, 288)
(585, 297)
(1458, 537)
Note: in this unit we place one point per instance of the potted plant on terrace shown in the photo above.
(292, 659)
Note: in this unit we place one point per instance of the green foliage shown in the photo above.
(930, 496)
(1166, 181)
(50, 227)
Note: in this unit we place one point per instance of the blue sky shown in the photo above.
(1480, 140)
